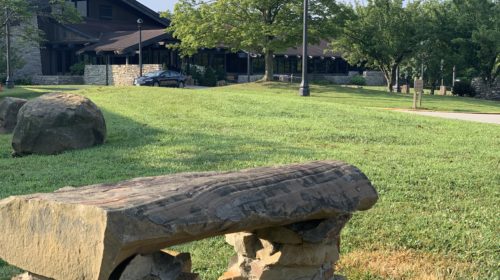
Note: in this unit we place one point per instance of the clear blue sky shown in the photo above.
(159, 5)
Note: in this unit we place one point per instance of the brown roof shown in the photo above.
(123, 42)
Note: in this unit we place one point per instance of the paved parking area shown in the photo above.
(484, 118)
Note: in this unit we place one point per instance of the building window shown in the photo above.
(105, 12)
(80, 6)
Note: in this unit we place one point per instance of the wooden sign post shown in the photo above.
(418, 87)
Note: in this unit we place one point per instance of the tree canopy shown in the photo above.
(386, 34)
(260, 26)
(17, 12)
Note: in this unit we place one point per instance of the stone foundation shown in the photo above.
(57, 80)
(118, 75)
(301, 251)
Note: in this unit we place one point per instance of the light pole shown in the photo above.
(139, 25)
(304, 86)
(454, 76)
(8, 81)
(248, 67)
(442, 79)
(398, 86)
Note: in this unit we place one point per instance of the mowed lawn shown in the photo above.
(438, 180)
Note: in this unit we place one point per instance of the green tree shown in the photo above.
(435, 50)
(381, 34)
(261, 26)
(477, 29)
(21, 11)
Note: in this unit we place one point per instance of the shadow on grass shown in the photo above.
(328, 88)
(33, 91)
(134, 149)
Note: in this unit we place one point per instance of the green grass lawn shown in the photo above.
(438, 179)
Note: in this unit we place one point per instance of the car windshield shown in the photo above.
(153, 74)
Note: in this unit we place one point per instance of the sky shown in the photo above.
(159, 5)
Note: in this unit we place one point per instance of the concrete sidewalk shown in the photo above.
(484, 118)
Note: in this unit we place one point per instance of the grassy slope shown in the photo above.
(438, 179)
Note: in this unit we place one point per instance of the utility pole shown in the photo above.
(9, 83)
(304, 86)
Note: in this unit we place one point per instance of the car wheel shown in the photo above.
(180, 85)
(156, 84)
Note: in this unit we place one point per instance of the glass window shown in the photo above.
(80, 6)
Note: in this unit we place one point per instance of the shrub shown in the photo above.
(209, 78)
(196, 75)
(358, 80)
(221, 74)
(23, 82)
(77, 69)
(463, 88)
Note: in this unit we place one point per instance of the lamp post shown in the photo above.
(398, 86)
(139, 25)
(248, 67)
(454, 76)
(8, 81)
(304, 86)
(442, 79)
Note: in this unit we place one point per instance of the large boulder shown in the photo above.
(56, 122)
(9, 107)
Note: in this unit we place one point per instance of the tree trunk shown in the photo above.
(394, 68)
(433, 86)
(268, 76)
(387, 76)
(390, 75)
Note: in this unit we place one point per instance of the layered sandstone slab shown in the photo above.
(85, 233)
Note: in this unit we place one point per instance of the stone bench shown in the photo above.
(281, 220)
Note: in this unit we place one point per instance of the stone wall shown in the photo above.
(486, 92)
(118, 75)
(27, 50)
(57, 80)
(375, 78)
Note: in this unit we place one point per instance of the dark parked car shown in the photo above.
(164, 78)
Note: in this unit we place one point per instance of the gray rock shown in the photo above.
(9, 107)
(57, 122)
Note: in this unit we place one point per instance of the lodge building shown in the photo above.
(108, 36)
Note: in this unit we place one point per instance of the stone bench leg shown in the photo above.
(301, 251)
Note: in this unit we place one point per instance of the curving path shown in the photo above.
(484, 118)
